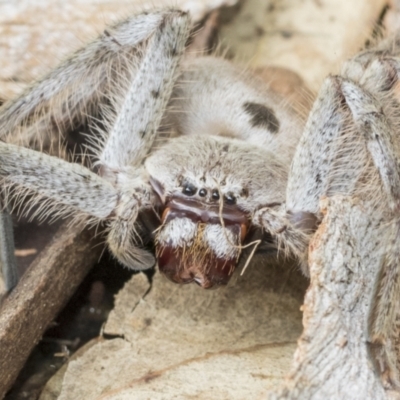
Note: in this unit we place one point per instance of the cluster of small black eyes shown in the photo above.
(190, 190)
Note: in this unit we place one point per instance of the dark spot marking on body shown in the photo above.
(273, 204)
(262, 116)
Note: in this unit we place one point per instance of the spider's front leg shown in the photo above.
(350, 147)
(139, 102)
(65, 98)
(349, 130)
(132, 135)
(314, 173)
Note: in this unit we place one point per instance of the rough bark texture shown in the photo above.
(332, 360)
(42, 292)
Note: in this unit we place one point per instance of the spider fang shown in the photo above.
(197, 257)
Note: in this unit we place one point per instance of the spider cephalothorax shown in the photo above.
(208, 209)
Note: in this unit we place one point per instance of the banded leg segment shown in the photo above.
(54, 185)
(143, 106)
(70, 93)
(312, 167)
(149, 45)
(314, 172)
(381, 126)
(134, 131)
(49, 186)
(363, 161)
(66, 97)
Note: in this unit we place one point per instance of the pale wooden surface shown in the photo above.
(36, 35)
(311, 37)
(332, 360)
(42, 292)
(183, 342)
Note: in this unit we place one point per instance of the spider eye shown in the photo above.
(215, 195)
(202, 192)
(189, 189)
(230, 198)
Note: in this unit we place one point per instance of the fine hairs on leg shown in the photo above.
(138, 75)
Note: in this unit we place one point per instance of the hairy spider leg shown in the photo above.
(120, 56)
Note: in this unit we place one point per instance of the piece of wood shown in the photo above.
(43, 290)
(36, 36)
(333, 360)
(184, 342)
(311, 37)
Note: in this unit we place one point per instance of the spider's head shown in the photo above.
(199, 240)
(209, 188)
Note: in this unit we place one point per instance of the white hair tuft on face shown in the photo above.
(179, 232)
(222, 241)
